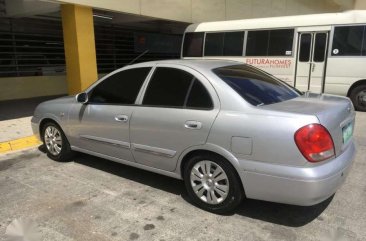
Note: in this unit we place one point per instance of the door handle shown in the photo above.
(312, 67)
(193, 125)
(122, 118)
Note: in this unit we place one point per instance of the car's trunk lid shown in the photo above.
(336, 113)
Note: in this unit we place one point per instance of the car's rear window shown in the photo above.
(255, 86)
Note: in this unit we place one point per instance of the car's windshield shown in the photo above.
(255, 86)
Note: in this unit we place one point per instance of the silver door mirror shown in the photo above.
(82, 98)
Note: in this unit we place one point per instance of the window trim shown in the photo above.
(215, 103)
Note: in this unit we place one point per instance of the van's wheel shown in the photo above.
(358, 97)
(56, 143)
(212, 183)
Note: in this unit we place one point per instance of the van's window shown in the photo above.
(320, 47)
(120, 88)
(305, 45)
(347, 41)
(270, 42)
(234, 44)
(255, 86)
(193, 44)
(224, 44)
(168, 87)
(214, 44)
(257, 43)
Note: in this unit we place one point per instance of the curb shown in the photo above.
(18, 144)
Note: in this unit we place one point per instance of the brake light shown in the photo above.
(315, 143)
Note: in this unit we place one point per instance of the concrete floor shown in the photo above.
(15, 116)
(95, 199)
(15, 128)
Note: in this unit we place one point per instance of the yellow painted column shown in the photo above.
(79, 42)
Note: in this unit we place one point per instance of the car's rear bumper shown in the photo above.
(304, 186)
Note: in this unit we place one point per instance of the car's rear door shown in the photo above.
(177, 111)
(102, 125)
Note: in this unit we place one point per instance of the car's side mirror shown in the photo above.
(82, 98)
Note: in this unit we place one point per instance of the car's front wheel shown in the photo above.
(212, 183)
(56, 143)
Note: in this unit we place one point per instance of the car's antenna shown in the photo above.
(142, 54)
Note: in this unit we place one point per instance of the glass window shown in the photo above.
(224, 44)
(255, 86)
(192, 46)
(168, 87)
(320, 47)
(280, 42)
(257, 43)
(120, 88)
(270, 42)
(347, 41)
(199, 98)
(214, 44)
(305, 46)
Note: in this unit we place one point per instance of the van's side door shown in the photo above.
(311, 61)
(177, 111)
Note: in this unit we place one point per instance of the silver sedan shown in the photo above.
(227, 129)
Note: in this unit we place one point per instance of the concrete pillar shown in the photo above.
(78, 31)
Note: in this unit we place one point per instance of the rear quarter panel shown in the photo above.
(270, 135)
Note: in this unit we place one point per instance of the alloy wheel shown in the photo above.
(209, 182)
(53, 140)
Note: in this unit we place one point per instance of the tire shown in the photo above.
(219, 193)
(56, 144)
(358, 97)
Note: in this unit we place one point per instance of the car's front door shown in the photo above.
(102, 125)
(177, 111)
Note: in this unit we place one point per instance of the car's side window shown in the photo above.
(171, 87)
(199, 98)
(120, 88)
(168, 87)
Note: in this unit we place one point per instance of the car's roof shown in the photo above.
(193, 63)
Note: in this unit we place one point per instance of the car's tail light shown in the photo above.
(315, 142)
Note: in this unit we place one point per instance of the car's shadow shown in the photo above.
(287, 215)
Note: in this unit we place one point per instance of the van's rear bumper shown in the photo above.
(304, 186)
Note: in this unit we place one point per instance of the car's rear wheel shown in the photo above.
(56, 143)
(212, 183)
(358, 97)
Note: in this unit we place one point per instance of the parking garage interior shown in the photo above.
(32, 49)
